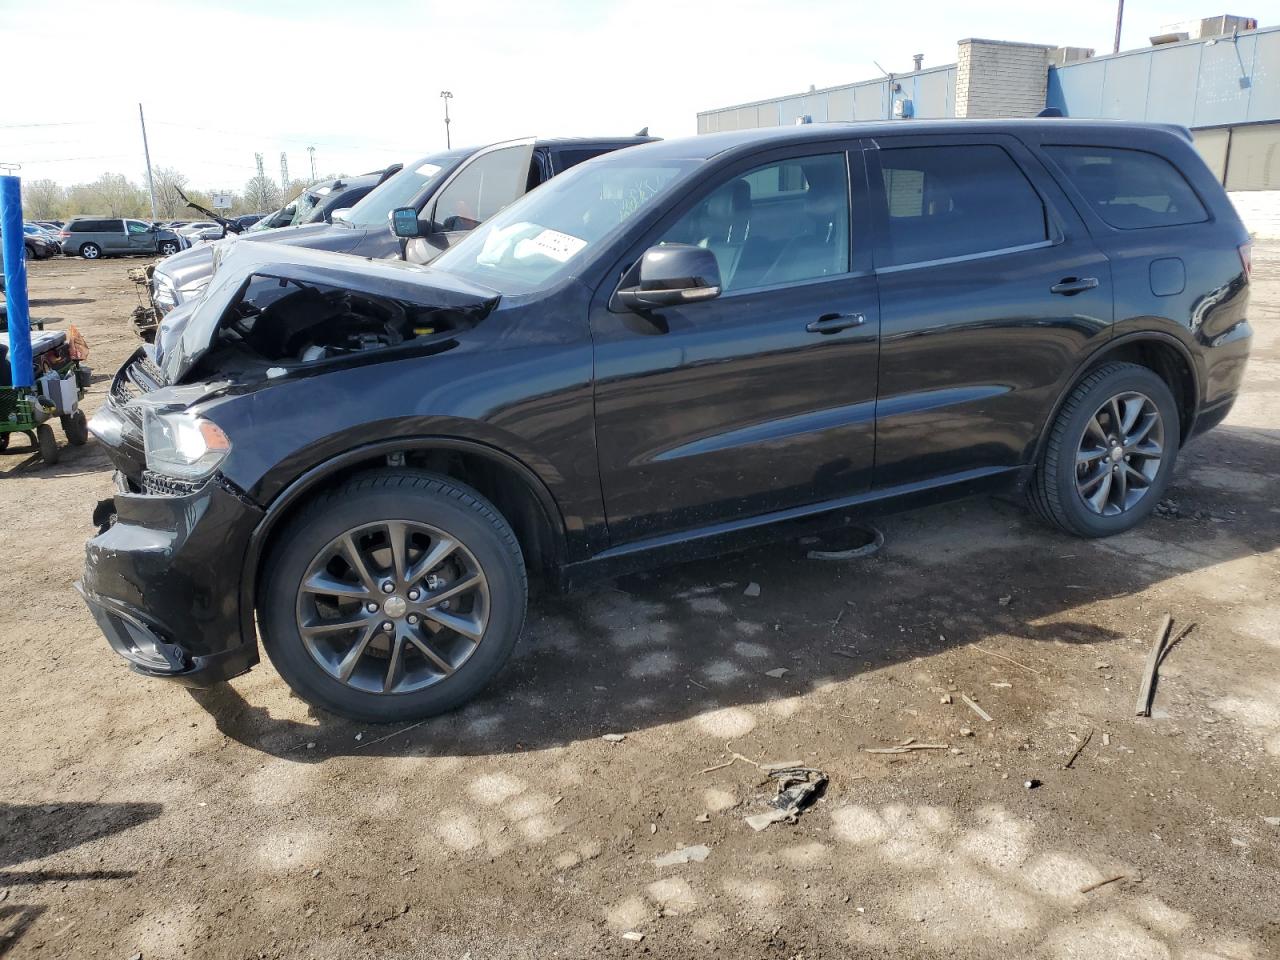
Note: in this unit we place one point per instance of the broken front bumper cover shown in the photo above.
(162, 580)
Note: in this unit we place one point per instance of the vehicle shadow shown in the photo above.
(691, 639)
(36, 831)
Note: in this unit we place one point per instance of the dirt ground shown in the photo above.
(137, 817)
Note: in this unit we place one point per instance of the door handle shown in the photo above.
(835, 322)
(1070, 286)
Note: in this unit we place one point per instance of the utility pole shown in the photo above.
(258, 159)
(146, 151)
(1119, 20)
(446, 96)
(312, 151)
(284, 171)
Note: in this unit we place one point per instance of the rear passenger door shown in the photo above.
(113, 237)
(990, 291)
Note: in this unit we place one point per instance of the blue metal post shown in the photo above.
(15, 281)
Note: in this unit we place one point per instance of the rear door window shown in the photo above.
(954, 201)
(1129, 189)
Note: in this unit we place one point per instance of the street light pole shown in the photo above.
(446, 96)
(146, 152)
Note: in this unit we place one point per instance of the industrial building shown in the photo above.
(1220, 77)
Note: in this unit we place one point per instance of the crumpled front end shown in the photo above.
(162, 579)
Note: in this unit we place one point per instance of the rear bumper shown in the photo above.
(162, 580)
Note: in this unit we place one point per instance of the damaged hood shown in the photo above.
(235, 262)
(189, 267)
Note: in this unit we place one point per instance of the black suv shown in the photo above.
(673, 350)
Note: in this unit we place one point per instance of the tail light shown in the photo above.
(64, 234)
(1246, 259)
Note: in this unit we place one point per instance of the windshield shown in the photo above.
(305, 203)
(401, 189)
(543, 236)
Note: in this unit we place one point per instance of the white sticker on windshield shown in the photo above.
(551, 243)
(428, 170)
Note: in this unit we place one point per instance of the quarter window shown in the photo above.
(1129, 189)
(956, 201)
(780, 223)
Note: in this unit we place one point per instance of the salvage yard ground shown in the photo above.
(137, 817)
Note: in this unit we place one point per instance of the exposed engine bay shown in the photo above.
(268, 312)
(287, 322)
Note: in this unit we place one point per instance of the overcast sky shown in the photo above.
(361, 81)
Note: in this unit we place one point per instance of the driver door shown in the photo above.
(763, 399)
(141, 237)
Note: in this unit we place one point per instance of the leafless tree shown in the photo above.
(261, 195)
(42, 199)
(168, 182)
(112, 194)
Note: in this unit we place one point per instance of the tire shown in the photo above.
(47, 443)
(426, 504)
(90, 251)
(31, 252)
(168, 248)
(1071, 489)
(76, 428)
(4, 442)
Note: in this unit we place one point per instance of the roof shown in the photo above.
(706, 146)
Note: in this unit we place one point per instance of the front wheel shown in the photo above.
(397, 596)
(1109, 454)
(168, 248)
(47, 444)
(90, 251)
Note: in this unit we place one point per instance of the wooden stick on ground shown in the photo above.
(1102, 883)
(976, 709)
(1078, 750)
(1147, 690)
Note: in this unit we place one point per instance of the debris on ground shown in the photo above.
(946, 698)
(1001, 656)
(1146, 690)
(694, 854)
(614, 737)
(966, 732)
(777, 672)
(850, 543)
(1078, 750)
(907, 748)
(1088, 887)
(634, 936)
(753, 590)
(734, 757)
(1005, 601)
(1274, 821)
(702, 818)
(1031, 784)
(973, 705)
(798, 787)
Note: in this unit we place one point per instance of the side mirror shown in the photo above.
(671, 274)
(404, 223)
(340, 215)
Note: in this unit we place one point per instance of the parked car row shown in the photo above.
(668, 351)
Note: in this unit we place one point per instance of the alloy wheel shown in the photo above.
(393, 606)
(1119, 454)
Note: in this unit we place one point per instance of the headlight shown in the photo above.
(182, 445)
(107, 426)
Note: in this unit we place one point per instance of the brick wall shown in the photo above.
(999, 79)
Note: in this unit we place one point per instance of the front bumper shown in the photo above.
(162, 579)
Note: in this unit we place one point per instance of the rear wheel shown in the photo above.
(76, 428)
(90, 251)
(394, 597)
(1109, 454)
(47, 443)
